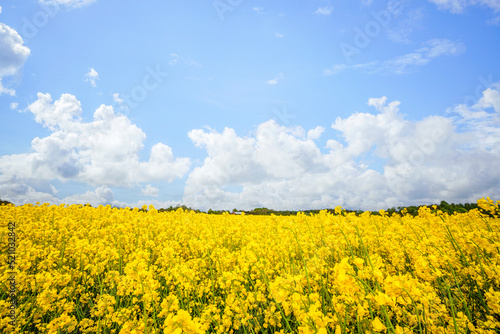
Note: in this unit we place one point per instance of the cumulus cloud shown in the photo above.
(402, 64)
(92, 76)
(149, 190)
(67, 3)
(100, 196)
(102, 152)
(13, 55)
(315, 133)
(282, 167)
(21, 191)
(454, 157)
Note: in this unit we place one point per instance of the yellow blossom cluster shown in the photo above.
(80, 269)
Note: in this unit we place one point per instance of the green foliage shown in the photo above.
(4, 202)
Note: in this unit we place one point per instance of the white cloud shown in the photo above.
(92, 76)
(258, 10)
(315, 133)
(439, 47)
(276, 79)
(176, 59)
(401, 30)
(117, 98)
(67, 3)
(13, 55)
(100, 196)
(101, 152)
(21, 191)
(477, 118)
(494, 21)
(149, 190)
(0, 9)
(327, 10)
(458, 6)
(455, 6)
(452, 158)
(366, 2)
(337, 68)
(14, 105)
(278, 35)
(426, 161)
(431, 49)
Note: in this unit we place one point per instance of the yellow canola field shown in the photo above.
(105, 270)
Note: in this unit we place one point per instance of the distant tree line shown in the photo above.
(4, 202)
(444, 206)
(174, 208)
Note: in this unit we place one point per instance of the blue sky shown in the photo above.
(242, 104)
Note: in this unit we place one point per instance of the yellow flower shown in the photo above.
(361, 311)
(359, 262)
(383, 299)
(378, 326)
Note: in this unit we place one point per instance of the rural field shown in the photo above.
(79, 269)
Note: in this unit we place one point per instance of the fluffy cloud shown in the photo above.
(454, 157)
(103, 152)
(278, 167)
(149, 190)
(425, 161)
(22, 191)
(91, 77)
(13, 55)
(100, 196)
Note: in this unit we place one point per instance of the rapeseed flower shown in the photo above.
(109, 270)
